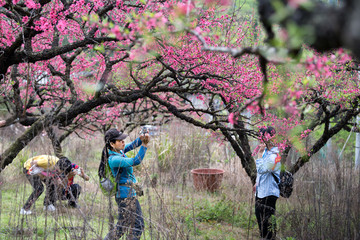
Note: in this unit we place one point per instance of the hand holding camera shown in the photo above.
(144, 136)
(77, 171)
(145, 139)
(261, 150)
(80, 171)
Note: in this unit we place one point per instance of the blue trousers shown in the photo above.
(130, 219)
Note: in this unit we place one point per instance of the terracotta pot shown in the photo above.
(208, 179)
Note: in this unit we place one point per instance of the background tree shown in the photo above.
(78, 66)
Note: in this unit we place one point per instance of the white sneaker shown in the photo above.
(50, 208)
(25, 212)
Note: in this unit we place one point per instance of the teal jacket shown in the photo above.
(120, 163)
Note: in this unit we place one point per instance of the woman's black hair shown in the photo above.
(64, 165)
(104, 157)
(270, 130)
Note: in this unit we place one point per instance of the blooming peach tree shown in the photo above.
(83, 65)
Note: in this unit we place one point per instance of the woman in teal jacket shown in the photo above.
(130, 217)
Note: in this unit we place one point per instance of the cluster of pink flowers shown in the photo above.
(30, 4)
(305, 133)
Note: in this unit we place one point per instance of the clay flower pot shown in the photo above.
(208, 179)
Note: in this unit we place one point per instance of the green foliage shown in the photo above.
(65, 224)
(178, 152)
(22, 158)
(131, 154)
(218, 211)
(3, 109)
(224, 211)
(247, 6)
(164, 153)
(340, 141)
(296, 140)
(100, 48)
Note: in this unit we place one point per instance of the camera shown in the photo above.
(77, 171)
(144, 130)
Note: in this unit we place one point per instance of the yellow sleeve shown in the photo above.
(43, 161)
(27, 164)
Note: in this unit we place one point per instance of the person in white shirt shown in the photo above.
(267, 191)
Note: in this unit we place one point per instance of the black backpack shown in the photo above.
(285, 184)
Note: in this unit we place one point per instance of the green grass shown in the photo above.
(176, 211)
(225, 212)
(168, 213)
(64, 224)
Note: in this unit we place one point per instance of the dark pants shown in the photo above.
(38, 189)
(130, 219)
(72, 194)
(264, 209)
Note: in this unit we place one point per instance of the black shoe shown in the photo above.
(74, 205)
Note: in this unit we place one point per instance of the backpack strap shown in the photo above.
(277, 160)
(118, 174)
(129, 185)
(276, 179)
